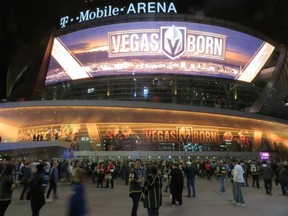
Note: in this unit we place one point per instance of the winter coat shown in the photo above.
(152, 190)
(177, 180)
(6, 191)
(283, 175)
(36, 192)
(266, 172)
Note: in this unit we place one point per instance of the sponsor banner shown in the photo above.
(112, 10)
(64, 132)
(129, 137)
(34, 134)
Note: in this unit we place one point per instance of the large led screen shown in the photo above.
(147, 137)
(155, 48)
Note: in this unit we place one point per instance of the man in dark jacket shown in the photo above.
(283, 178)
(27, 176)
(190, 173)
(54, 173)
(176, 184)
(37, 198)
(266, 173)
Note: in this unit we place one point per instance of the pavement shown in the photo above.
(116, 202)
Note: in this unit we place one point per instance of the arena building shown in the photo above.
(148, 79)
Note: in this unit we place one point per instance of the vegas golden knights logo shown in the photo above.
(184, 134)
(173, 41)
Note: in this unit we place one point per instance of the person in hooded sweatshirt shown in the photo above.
(266, 173)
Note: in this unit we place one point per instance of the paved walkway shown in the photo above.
(115, 202)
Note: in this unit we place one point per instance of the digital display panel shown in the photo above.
(264, 155)
(148, 136)
(155, 48)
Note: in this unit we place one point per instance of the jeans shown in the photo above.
(238, 192)
(24, 190)
(135, 199)
(191, 184)
(221, 180)
(234, 191)
(53, 186)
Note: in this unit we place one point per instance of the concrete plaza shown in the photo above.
(116, 202)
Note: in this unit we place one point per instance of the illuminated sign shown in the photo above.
(157, 47)
(174, 42)
(264, 155)
(146, 136)
(182, 135)
(34, 134)
(110, 11)
(155, 136)
(205, 136)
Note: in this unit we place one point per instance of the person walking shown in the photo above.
(176, 185)
(136, 179)
(110, 173)
(100, 174)
(125, 172)
(221, 172)
(7, 185)
(283, 178)
(53, 178)
(37, 197)
(77, 200)
(27, 176)
(246, 169)
(46, 172)
(232, 183)
(152, 190)
(239, 181)
(190, 173)
(255, 172)
(266, 173)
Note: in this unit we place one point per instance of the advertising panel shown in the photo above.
(173, 138)
(151, 137)
(64, 132)
(157, 47)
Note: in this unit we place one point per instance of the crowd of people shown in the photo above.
(146, 180)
